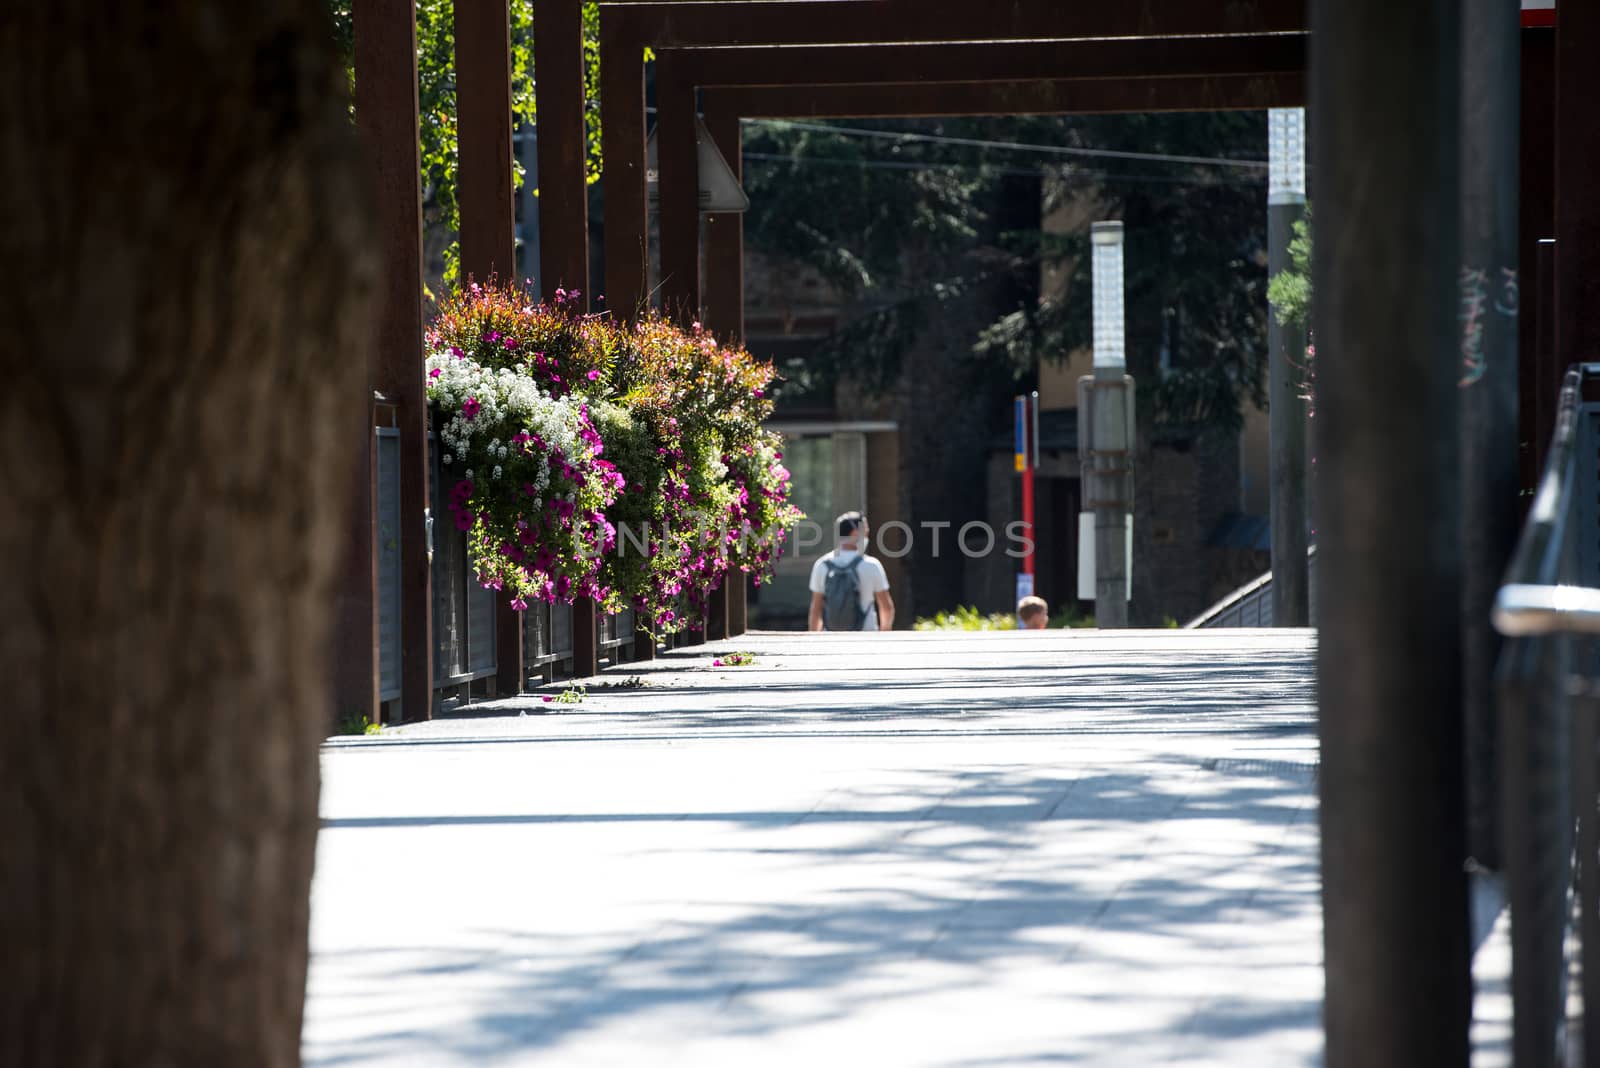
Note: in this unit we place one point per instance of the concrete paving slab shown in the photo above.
(934, 850)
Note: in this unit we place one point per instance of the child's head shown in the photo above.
(1034, 613)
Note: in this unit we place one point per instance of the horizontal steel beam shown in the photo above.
(741, 22)
(1014, 61)
(1238, 93)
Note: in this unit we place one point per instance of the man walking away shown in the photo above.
(849, 589)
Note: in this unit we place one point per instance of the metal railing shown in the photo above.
(1546, 689)
(1251, 604)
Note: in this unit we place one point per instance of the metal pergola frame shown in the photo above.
(1052, 78)
(1368, 880)
(971, 76)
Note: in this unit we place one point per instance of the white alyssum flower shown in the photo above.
(507, 404)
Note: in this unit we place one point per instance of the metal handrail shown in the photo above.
(1548, 713)
(1528, 611)
(1534, 599)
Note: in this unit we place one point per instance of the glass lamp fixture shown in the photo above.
(1105, 240)
(1286, 156)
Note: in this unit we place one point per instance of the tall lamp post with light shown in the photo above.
(1286, 412)
(1105, 441)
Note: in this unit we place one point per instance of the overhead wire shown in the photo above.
(908, 165)
(1015, 146)
(1018, 146)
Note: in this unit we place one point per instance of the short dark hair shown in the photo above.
(849, 523)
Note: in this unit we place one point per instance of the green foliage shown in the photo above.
(585, 458)
(572, 695)
(1289, 291)
(436, 98)
(967, 617)
(908, 227)
(734, 660)
(354, 723)
(1070, 617)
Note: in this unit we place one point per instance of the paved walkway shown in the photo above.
(943, 850)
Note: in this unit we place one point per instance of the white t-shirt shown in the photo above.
(870, 578)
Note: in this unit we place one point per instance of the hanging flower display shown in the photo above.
(584, 458)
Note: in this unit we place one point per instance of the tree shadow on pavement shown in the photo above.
(1115, 915)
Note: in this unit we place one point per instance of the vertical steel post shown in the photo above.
(564, 209)
(386, 108)
(1489, 300)
(622, 142)
(626, 213)
(1586, 804)
(1385, 139)
(724, 296)
(1286, 410)
(678, 182)
(483, 101)
(488, 217)
(563, 199)
(678, 215)
(1538, 771)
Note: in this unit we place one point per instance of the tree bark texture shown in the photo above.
(190, 272)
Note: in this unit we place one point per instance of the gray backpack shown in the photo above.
(841, 597)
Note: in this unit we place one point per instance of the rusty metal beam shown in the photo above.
(564, 209)
(483, 101)
(723, 296)
(676, 159)
(563, 188)
(622, 143)
(488, 219)
(386, 109)
(1014, 61)
(734, 22)
(1236, 93)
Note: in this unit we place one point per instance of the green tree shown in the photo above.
(436, 67)
(931, 233)
(904, 225)
(1289, 291)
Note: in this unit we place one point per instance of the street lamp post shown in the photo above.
(1286, 413)
(1106, 436)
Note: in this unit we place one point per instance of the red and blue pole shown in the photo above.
(1026, 449)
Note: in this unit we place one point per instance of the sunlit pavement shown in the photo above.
(965, 850)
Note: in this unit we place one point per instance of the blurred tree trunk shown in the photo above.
(189, 272)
